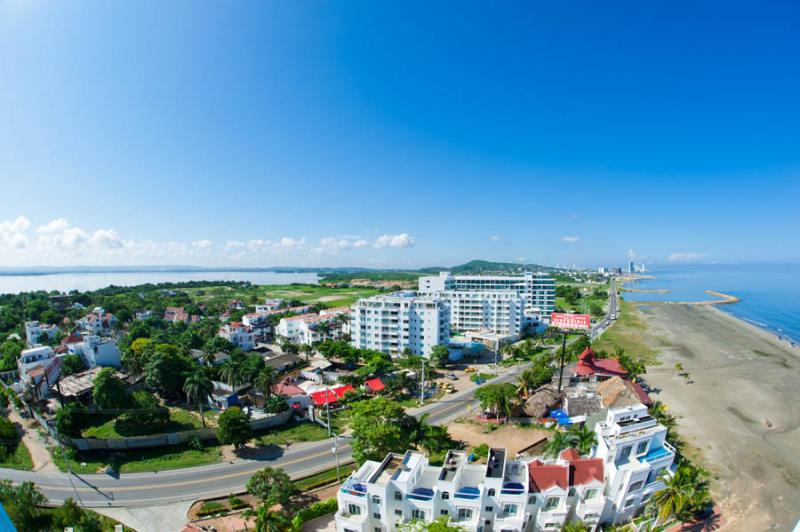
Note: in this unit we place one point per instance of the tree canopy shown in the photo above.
(380, 426)
(233, 427)
(272, 486)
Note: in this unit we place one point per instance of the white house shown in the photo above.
(35, 330)
(636, 454)
(538, 289)
(311, 328)
(238, 334)
(497, 311)
(502, 494)
(269, 305)
(38, 369)
(97, 322)
(97, 351)
(392, 323)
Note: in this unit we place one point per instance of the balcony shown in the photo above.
(659, 453)
(468, 493)
(357, 489)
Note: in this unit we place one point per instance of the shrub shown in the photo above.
(211, 507)
(318, 509)
(9, 437)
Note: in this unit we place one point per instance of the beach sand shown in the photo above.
(741, 411)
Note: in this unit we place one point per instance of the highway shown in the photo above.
(133, 490)
(606, 322)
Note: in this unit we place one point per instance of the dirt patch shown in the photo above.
(511, 437)
(327, 299)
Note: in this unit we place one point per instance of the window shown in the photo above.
(490, 508)
(354, 509)
(443, 512)
(646, 497)
(551, 525)
(376, 515)
(378, 529)
(636, 486)
(630, 502)
(465, 513)
(590, 494)
(398, 513)
(376, 499)
(445, 496)
(641, 448)
(509, 509)
(552, 502)
(398, 496)
(532, 499)
(417, 514)
(571, 492)
(626, 452)
(491, 493)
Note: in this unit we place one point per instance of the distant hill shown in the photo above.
(485, 267)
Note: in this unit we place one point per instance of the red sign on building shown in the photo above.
(570, 321)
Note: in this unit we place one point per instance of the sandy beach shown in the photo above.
(741, 411)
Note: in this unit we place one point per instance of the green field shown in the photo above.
(171, 457)
(629, 332)
(293, 432)
(307, 293)
(20, 459)
(179, 420)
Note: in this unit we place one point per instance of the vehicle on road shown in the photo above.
(452, 376)
(470, 369)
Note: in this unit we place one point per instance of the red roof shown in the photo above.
(544, 477)
(324, 397)
(569, 454)
(376, 385)
(586, 470)
(287, 389)
(643, 397)
(588, 364)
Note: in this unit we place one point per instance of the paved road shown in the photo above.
(145, 489)
(606, 322)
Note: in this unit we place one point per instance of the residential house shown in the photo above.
(97, 322)
(238, 334)
(34, 331)
(97, 351)
(176, 314)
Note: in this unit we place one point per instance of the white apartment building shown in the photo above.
(538, 289)
(311, 328)
(634, 449)
(35, 330)
(498, 311)
(502, 494)
(97, 351)
(238, 334)
(38, 368)
(97, 321)
(392, 323)
(269, 305)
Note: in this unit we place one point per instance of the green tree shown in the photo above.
(233, 427)
(269, 521)
(582, 438)
(71, 364)
(440, 356)
(272, 486)
(10, 350)
(275, 404)
(70, 420)
(431, 438)
(9, 438)
(380, 426)
(441, 524)
(574, 526)
(556, 443)
(633, 366)
(264, 380)
(137, 355)
(685, 495)
(22, 503)
(110, 393)
(497, 398)
(197, 388)
(167, 370)
(231, 372)
(146, 416)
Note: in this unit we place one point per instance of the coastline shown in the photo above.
(739, 411)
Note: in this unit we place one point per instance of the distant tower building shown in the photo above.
(631, 267)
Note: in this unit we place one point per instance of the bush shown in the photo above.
(211, 507)
(147, 416)
(318, 509)
(9, 438)
(235, 503)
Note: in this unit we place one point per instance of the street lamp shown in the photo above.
(335, 451)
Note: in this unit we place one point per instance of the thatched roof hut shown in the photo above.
(542, 401)
(617, 392)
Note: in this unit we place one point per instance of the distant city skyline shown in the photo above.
(397, 137)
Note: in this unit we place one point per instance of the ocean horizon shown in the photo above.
(769, 293)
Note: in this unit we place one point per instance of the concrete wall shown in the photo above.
(173, 438)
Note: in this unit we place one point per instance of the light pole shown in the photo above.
(335, 451)
(422, 388)
(328, 408)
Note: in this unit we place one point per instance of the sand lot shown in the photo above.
(742, 410)
(514, 439)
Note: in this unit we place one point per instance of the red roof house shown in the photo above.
(330, 396)
(569, 470)
(375, 385)
(545, 476)
(589, 366)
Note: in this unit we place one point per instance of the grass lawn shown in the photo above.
(293, 432)
(21, 459)
(179, 419)
(629, 332)
(106, 523)
(307, 293)
(172, 457)
(340, 420)
(324, 477)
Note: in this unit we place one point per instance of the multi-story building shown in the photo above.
(269, 305)
(538, 289)
(237, 334)
(39, 368)
(329, 324)
(98, 321)
(399, 321)
(501, 494)
(499, 311)
(35, 330)
(97, 351)
(633, 447)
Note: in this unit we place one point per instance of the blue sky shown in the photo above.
(381, 134)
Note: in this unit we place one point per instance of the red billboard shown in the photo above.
(570, 321)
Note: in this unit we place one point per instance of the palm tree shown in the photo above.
(306, 350)
(431, 438)
(268, 521)
(574, 526)
(557, 443)
(526, 382)
(676, 496)
(231, 371)
(508, 350)
(582, 438)
(197, 388)
(264, 380)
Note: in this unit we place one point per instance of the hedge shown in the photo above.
(318, 509)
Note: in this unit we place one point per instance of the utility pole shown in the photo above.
(335, 451)
(422, 388)
(563, 357)
(328, 408)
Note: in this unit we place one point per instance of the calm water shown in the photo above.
(770, 292)
(92, 281)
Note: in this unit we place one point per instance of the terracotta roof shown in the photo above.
(643, 397)
(588, 364)
(287, 389)
(617, 392)
(569, 454)
(543, 477)
(585, 470)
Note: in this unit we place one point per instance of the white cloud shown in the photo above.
(403, 240)
(105, 238)
(570, 239)
(687, 256)
(495, 238)
(360, 243)
(202, 244)
(58, 225)
(289, 243)
(234, 244)
(12, 232)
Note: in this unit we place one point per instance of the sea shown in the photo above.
(770, 293)
(64, 282)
